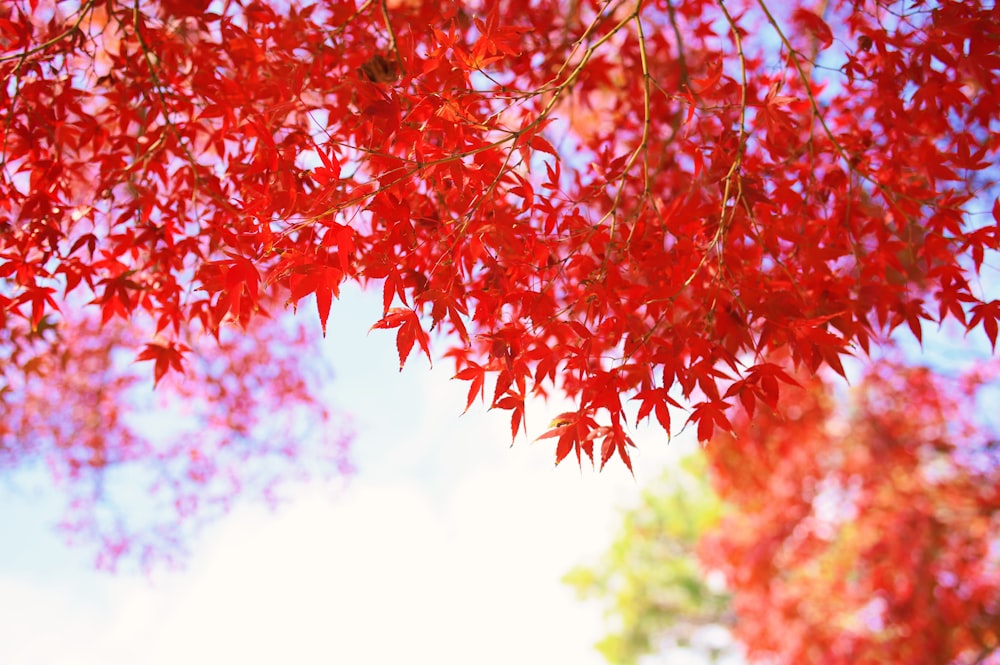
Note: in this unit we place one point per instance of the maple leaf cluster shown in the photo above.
(676, 203)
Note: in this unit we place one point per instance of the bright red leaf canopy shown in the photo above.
(661, 201)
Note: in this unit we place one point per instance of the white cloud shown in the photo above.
(376, 577)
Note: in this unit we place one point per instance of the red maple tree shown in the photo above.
(864, 532)
(671, 203)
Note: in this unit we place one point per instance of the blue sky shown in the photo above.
(447, 546)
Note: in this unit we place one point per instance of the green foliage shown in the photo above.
(651, 579)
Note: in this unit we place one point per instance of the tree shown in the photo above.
(658, 592)
(668, 203)
(241, 419)
(868, 532)
(855, 529)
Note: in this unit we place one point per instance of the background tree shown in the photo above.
(867, 531)
(140, 471)
(672, 203)
(656, 589)
(858, 530)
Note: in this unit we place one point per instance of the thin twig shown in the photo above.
(734, 169)
(393, 45)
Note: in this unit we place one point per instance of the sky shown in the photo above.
(446, 546)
